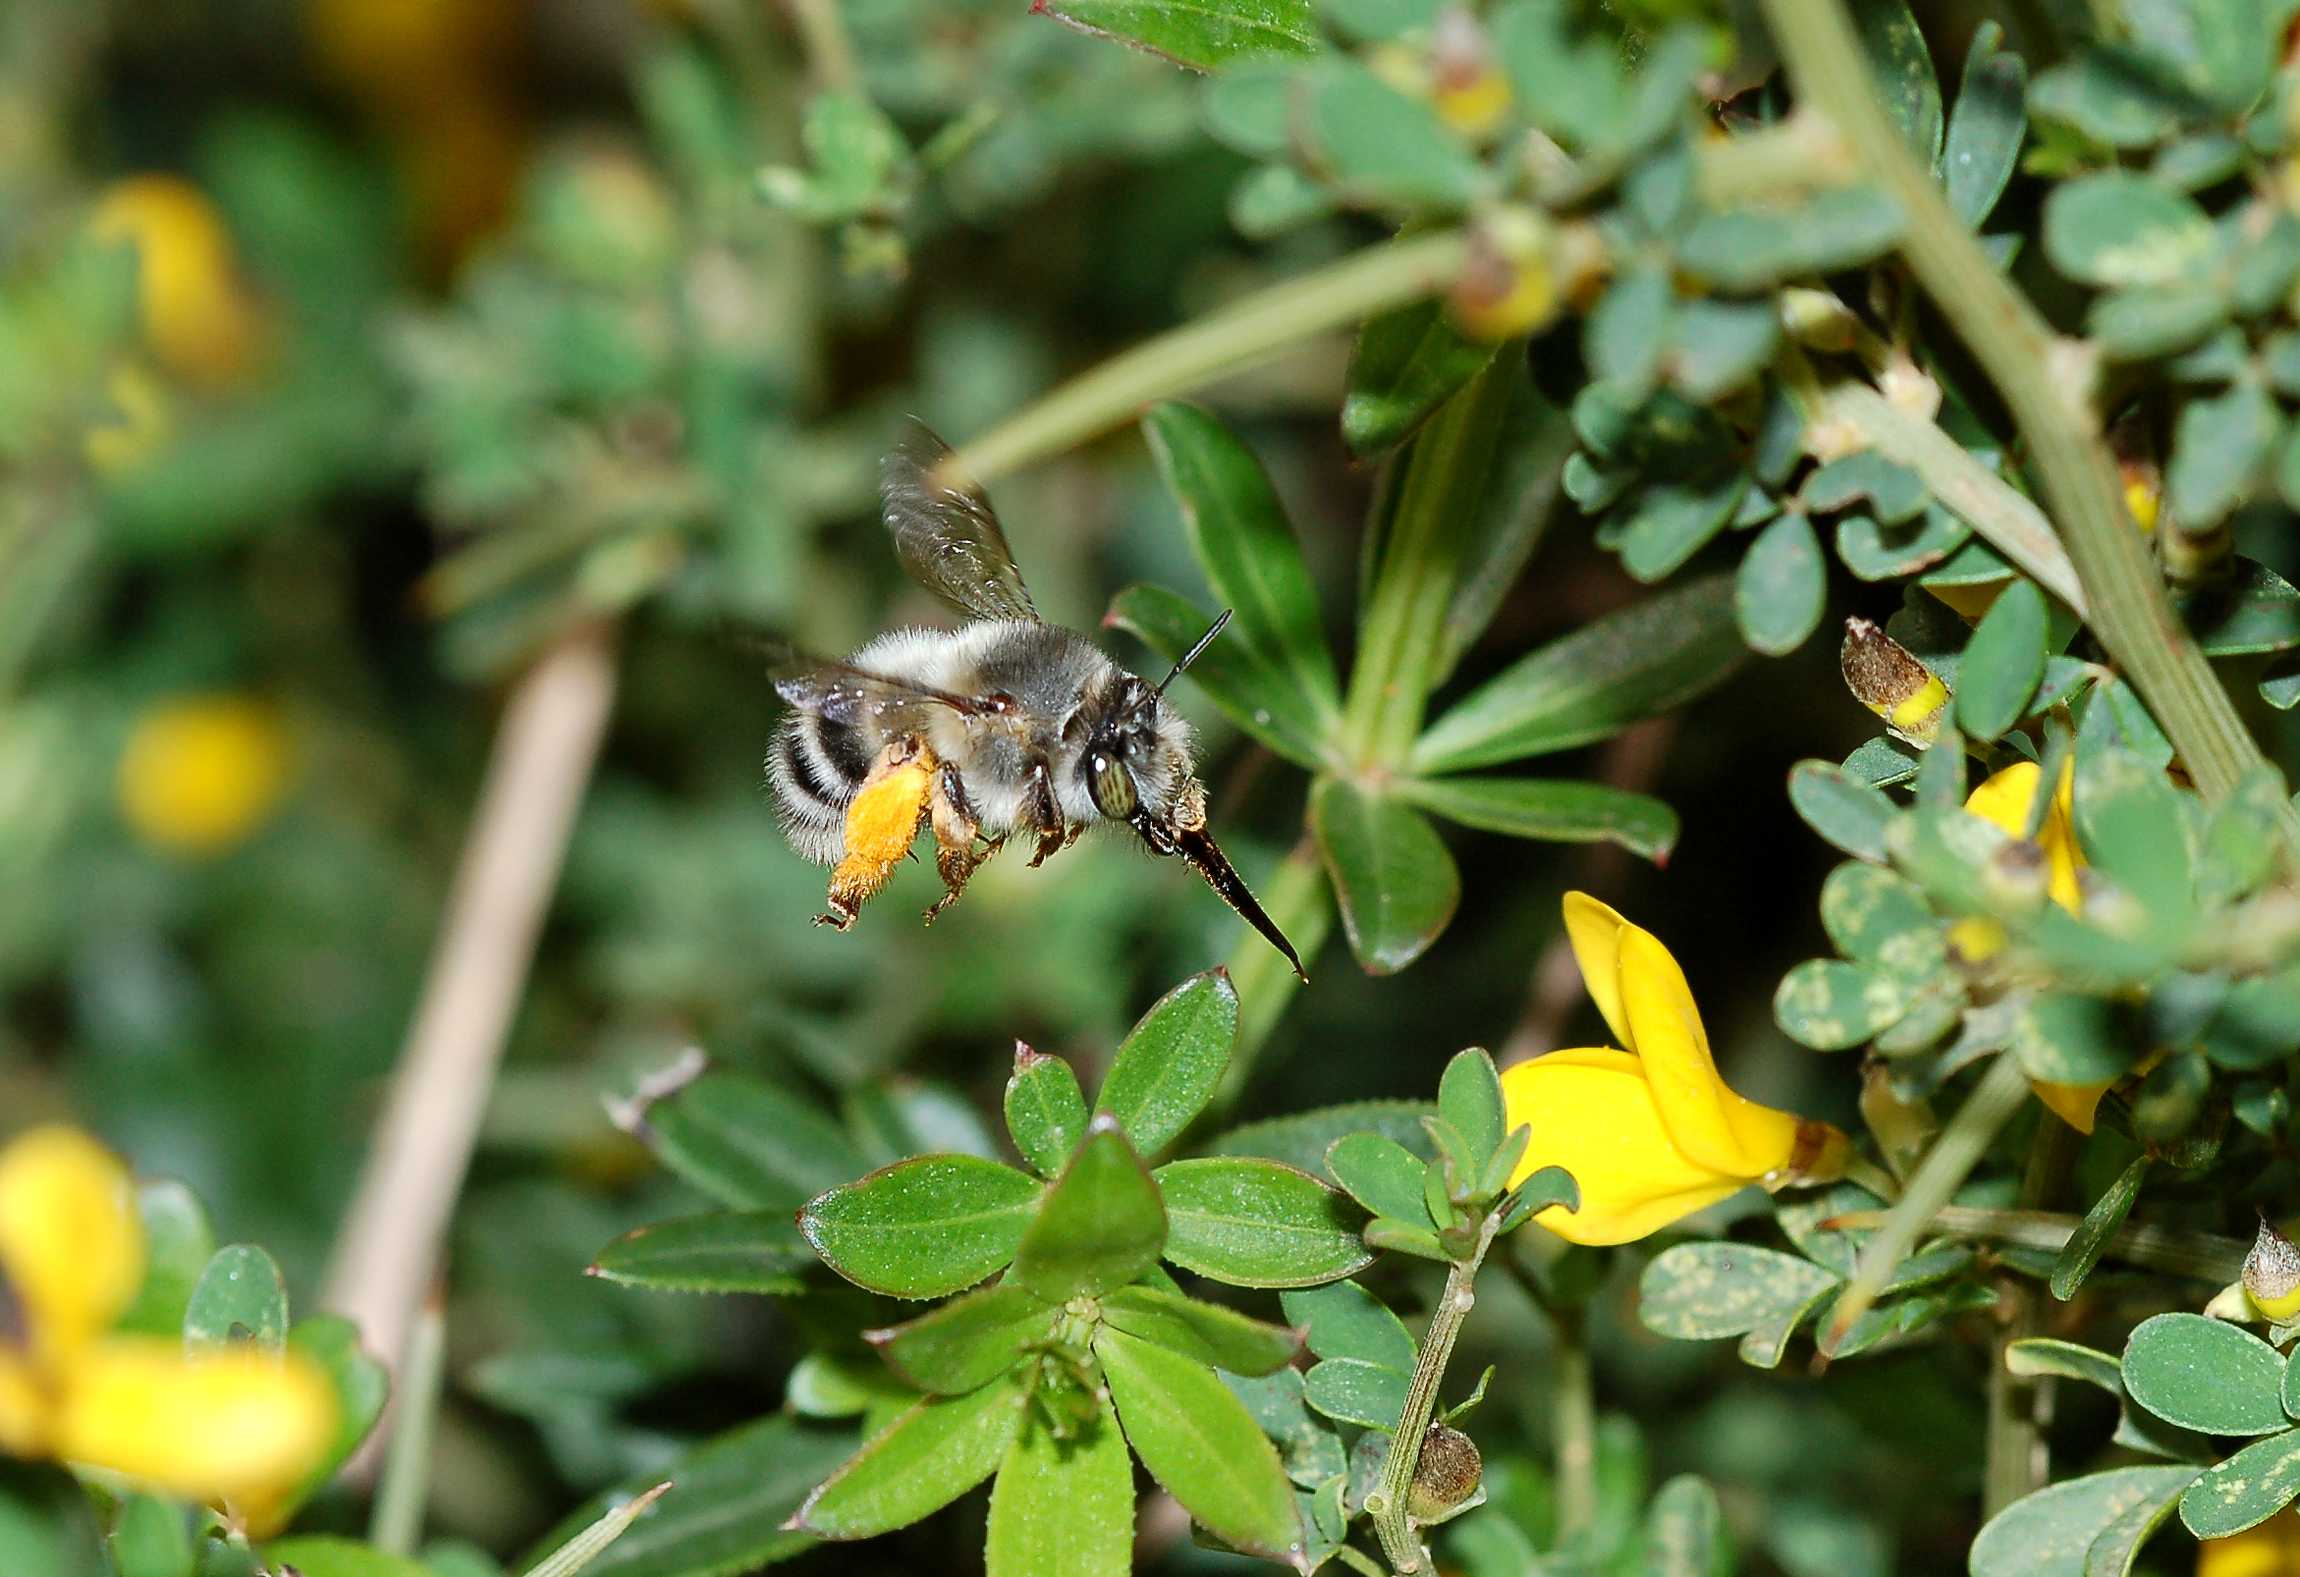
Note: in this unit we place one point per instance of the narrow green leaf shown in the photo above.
(1618, 670)
(1346, 1321)
(967, 1342)
(1393, 877)
(2205, 1374)
(747, 1143)
(2243, 1491)
(178, 1243)
(594, 1541)
(1782, 586)
(923, 1228)
(1045, 1110)
(239, 1298)
(1064, 1507)
(1469, 1098)
(918, 1464)
(1100, 1225)
(1555, 810)
(2003, 663)
(1256, 1223)
(1247, 548)
(2047, 1534)
(1380, 1174)
(1986, 127)
(725, 1251)
(1407, 362)
(1247, 691)
(1170, 1062)
(1902, 67)
(2041, 1355)
(2090, 1240)
(151, 1538)
(1198, 1440)
(1204, 1331)
(1204, 38)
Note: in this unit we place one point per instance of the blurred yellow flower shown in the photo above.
(1651, 1133)
(2270, 1550)
(138, 425)
(239, 1427)
(200, 773)
(198, 318)
(2003, 802)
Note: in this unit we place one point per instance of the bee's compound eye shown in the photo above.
(1111, 785)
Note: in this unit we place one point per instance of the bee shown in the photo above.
(1006, 726)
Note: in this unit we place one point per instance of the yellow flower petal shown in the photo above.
(1600, 1123)
(240, 1425)
(1713, 1126)
(2270, 1550)
(1595, 932)
(2078, 1105)
(71, 1243)
(201, 773)
(23, 1409)
(2004, 800)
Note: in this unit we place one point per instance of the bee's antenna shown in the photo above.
(1196, 651)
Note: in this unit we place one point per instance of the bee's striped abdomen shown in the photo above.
(816, 766)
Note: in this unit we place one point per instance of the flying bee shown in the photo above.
(1004, 726)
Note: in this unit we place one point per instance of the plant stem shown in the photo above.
(2045, 382)
(2204, 1256)
(823, 32)
(1573, 1417)
(1999, 1094)
(396, 1522)
(1404, 632)
(1223, 341)
(1387, 1500)
(2017, 1459)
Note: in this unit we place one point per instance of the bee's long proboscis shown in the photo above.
(1205, 857)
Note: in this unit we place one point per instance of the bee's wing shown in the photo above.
(947, 535)
(843, 692)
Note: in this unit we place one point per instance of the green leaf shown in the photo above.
(1384, 148)
(1248, 107)
(2134, 828)
(47, 1524)
(1100, 1225)
(2070, 1038)
(1204, 38)
(920, 1463)
(1753, 249)
(2115, 1550)
(1896, 493)
(1045, 1110)
(327, 1555)
(2205, 1374)
(361, 1383)
(1346, 1321)
(2255, 610)
(239, 1298)
(2105, 96)
(1617, 670)
(1555, 810)
(1380, 1174)
(151, 1538)
(1664, 525)
(1986, 127)
(178, 1243)
(1243, 541)
(1847, 812)
(1063, 1507)
(1469, 1098)
(1685, 1530)
(2090, 1239)
(1248, 692)
(749, 1144)
(2155, 320)
(1256, 1223)
(1168, 1065)
(1880, 918)
(1200, 1443)
(1408, 361)
(1902, 68)
(2117, 229)
(2003, 662)
(725, 1251)
(1204, 1331)
(1353, 1391)
(1873, 551)
(1570, 84)
(2040, 1355)
(1302, 1140)
(1516, 507)
(2047, 1534)
(968, 1342)
(1393, 878)
(1781, 587)
(923, 1228)
(2220, 450)
(1717, 348)
(1622, 338)
(1829, 1005)
(1701, 1291)
(2245, 1490)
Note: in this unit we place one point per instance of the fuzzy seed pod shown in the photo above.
(1446, 1474)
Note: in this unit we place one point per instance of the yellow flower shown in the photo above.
(1651, 1133)
(137, 426)
(2003, 802)
(198, 318)
(240, 1427)
(202, 772)
(2270, 1550)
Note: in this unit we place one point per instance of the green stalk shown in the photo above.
(1386, 1501)
(1573, 1419)
(396, 1523)
(2045, 383)
(2017, 1460)
(1235, 336)
(2202, 1256)
(1401, 643)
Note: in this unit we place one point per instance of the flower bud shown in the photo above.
(1445, 1474)
(1506, 287)
(1887, 678)
(2272, 1274)
(1468, 89)
(2017, 877)
(1904, 1129)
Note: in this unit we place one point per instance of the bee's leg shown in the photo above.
(1041, 813)
(882, 822)
(955, 830)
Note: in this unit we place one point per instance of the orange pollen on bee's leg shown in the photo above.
(882, 823)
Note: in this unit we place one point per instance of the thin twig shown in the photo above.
(395, 1525)
(1387, 1502)
(388, 1248)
